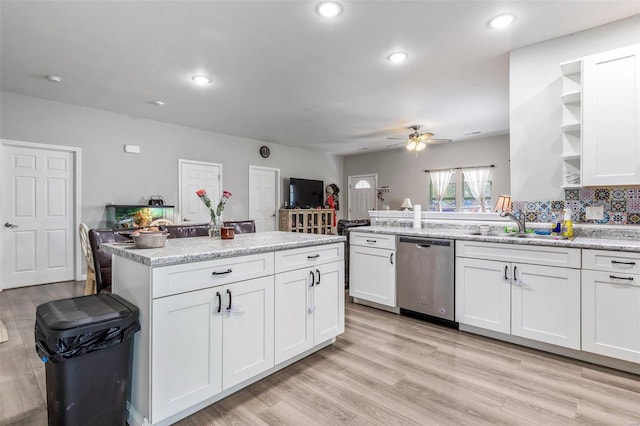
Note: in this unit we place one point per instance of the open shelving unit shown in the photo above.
(571, 127)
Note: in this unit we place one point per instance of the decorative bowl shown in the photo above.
(144, 240)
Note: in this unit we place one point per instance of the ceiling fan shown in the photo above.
(418, 141)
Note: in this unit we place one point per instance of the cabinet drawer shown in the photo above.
(288, 260)
(194, 276)
(372, 240)
(614, 261)
(537, 255)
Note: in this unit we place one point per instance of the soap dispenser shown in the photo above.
(567, 224)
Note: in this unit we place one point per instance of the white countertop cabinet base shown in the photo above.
(536, 302)
(611, 304)
(372, 268)
(193, 350)
(306, 312)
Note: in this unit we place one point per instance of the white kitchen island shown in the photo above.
(218, 315)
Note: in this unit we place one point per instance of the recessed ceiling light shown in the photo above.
(201, 79)
(54, 78)
(329, 9)
(397, 57)
(157, 103)
(502, 21)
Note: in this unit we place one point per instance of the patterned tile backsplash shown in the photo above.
(621, 206)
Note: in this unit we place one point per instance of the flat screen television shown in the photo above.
(306, 193)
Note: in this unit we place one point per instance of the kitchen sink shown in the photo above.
(488, 234)
(538, 236)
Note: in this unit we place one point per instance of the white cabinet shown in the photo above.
(187, 351)
(611, 118)
(309, 306)
(500, 287)
(209, 340)
(545, 304)
(611, 304)
(483, 294)
(372, 268)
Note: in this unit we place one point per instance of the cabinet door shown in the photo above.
(186, 363)
(372, 274)
(545, 304)
(247, 342)
(483, 294)
(328, 299)
(611, 118)
(293, 318)
(611, 314)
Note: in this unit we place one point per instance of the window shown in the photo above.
(455, 200)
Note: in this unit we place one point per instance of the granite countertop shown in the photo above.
(586, 242)
(197, 249)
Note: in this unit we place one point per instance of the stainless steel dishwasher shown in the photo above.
(425, 280)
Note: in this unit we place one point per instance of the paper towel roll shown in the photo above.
(417, 216)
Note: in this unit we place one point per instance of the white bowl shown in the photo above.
(145, 240)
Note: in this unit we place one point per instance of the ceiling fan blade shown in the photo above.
(425, 136)
(396, 144)
(399, 139)
(436, 141)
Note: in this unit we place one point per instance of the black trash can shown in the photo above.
(86, 345)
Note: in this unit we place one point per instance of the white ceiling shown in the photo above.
(281, 73)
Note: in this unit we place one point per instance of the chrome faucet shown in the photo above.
(522, 224)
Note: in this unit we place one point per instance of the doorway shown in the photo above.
(192, 176)
(264, 197)
(362, 195)
(40, 213)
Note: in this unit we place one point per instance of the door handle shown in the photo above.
(186, 219)
(219, 296)
(228, 271)
(506, 270)
(315, 256)
(515, 276)
(313, 278)
(10, 225)
(318, 273)
(229, 293)
(391, 258)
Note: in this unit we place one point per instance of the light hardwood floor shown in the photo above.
(385, 370)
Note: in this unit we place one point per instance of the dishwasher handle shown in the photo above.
(425, 243)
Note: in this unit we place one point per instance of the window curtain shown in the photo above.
(477, 180)
(440, 180)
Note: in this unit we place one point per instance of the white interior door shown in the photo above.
(264, 197)
(37, 213)
(362, 195)
(195, 175)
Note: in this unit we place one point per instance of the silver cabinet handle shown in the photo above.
(10, 225)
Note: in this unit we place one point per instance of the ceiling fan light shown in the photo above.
(420, 146)
(411, 145)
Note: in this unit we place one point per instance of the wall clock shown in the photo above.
(265, 151)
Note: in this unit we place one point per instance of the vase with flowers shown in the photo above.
(214, 223)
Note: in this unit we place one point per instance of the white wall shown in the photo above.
(111, 175)
(404, 172)
(535, 109)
